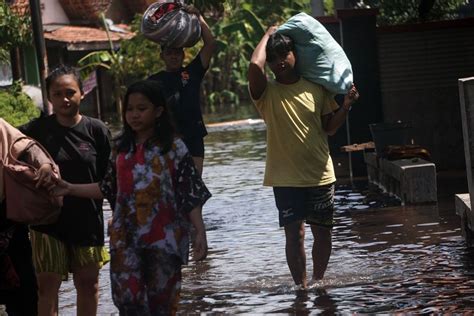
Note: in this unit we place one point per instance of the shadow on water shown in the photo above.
(386, 258)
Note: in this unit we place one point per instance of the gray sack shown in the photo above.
(174, 28)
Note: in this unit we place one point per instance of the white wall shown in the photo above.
(53, 12)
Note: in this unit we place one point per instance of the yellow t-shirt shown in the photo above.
(297, 147)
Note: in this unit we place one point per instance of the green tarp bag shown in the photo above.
(320, 58)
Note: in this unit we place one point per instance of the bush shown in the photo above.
(16, 107)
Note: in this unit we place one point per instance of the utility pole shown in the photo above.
(40, 48)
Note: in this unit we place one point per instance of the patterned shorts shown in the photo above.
(315, 205)
(53, 255)
(145, 281)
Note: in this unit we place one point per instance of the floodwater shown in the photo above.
(386, 258)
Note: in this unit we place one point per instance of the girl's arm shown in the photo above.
(86, 190)
(200, 240)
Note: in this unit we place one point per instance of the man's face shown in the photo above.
(173, 58)
(282, 64)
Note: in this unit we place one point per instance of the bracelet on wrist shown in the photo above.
(346, 110)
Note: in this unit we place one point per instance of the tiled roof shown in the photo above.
(85, 37)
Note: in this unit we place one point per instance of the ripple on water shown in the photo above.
(386, 258)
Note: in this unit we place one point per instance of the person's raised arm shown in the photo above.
(256, 72)
(209, 46)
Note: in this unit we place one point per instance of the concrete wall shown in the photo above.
(419, 70)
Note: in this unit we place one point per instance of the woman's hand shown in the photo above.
(200, 245)
(45, 176)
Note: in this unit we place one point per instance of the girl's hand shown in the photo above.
(44, 176)
(200, 246)
(60, 188)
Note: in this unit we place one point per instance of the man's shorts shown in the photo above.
(195, 146)
(53, 255)
(315, 205)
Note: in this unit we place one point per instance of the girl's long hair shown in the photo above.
(164, 128)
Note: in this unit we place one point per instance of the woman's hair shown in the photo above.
(278, 45)
(164, 128)
(62, 70)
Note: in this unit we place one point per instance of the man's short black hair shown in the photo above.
(278, 45)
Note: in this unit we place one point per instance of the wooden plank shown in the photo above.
(358, 147)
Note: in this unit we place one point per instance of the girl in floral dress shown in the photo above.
(157, 194)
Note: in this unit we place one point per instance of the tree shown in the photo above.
(394, 12)
(15, 31)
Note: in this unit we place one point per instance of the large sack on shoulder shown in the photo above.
(167, 23)
(320, 58)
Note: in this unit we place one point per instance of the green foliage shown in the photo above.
(238, 27)
(16, 107)
(14, 31)
(393, 12)
(238, 31)
(207, 5)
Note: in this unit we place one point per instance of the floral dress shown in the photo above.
(151, 194)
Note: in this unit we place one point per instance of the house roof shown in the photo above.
(78, 38)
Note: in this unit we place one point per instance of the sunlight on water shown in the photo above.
(386, 257)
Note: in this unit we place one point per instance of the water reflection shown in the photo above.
(386, 258)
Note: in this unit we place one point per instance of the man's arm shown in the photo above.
(331, 122)
(256, 73)
(209, 46)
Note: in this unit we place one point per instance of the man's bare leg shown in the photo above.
(295, 253)
(321, 250)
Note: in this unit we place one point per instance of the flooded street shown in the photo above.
(386, 258)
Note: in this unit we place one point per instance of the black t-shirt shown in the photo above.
(182, 90)
(82, 154)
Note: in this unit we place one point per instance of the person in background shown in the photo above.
(182, 87)
(18, 286)
(300, 113)
(157, 194)
(80, 146)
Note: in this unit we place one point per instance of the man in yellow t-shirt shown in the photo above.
(299, 115)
